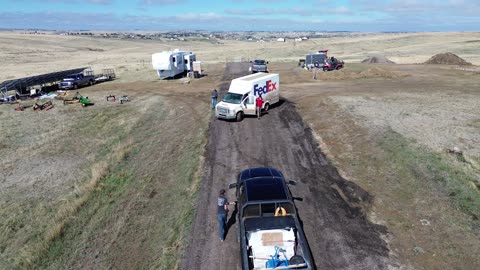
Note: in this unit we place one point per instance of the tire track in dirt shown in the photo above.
(338, 233)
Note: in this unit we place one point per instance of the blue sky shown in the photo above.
(243, 15)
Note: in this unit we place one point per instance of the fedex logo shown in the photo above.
(268, 87)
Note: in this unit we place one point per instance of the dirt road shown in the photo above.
(339, 235)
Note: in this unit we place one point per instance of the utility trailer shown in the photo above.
(316, 59)
(269, 230)
(107, 74)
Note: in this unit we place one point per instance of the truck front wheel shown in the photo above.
(267, 107)
(90, 82)
(75, 86)
(239, 117)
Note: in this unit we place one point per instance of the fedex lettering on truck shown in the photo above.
(261, 90)
(240, 98)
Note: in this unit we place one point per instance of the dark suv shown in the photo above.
(269, 230)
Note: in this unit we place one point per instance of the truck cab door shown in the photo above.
(248, 105)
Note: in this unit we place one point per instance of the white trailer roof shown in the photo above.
(244, 84)
(253, 77)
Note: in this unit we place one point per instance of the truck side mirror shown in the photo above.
(297, 199)
(250, 61)
(232, 185)
(292, 182)
(267, 62)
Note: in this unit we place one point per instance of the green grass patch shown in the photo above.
(88, 219)
(423, 166)
(184, 193)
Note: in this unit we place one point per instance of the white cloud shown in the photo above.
(240, 22)
(160, 2)
(198, 16)
(301, 11)
(98, 2)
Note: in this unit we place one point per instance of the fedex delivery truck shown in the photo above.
(240, 98)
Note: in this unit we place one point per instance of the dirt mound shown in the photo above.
(447, 59)
(377, 59)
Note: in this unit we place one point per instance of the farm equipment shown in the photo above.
(124, 99)
(78, 98)
(43, 107)
(73, 100)
(21, 107)
(10, 99)
(85, 101)
(112, 98)
(62, 95)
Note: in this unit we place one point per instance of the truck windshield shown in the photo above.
(232, 98)
(71, 77)
(259, 62)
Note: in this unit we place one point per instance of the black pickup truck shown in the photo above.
(269, 231)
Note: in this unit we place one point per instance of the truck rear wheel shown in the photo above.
(239, 117)
(296, 259)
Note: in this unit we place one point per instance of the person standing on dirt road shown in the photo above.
(222, 204)
(259, 104)
(214, 95)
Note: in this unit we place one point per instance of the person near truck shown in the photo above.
(222, 205)
(259, 104)
(214, 95)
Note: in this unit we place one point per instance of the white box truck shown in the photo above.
(240, 98)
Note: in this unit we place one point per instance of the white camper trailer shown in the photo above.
(169, 64)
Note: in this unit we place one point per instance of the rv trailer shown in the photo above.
(169, 64)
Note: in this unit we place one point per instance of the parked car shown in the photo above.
(258, 65)
(269, 230)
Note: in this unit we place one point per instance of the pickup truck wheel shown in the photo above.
(325, 69)
(239, 117)
(75, 86)
(90, 82)
(267, 107)
(296, 259)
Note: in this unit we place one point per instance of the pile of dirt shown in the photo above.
(447, 59)
(377, 59)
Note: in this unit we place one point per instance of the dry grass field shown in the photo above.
(112, 186)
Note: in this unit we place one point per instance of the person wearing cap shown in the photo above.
(222, 204)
